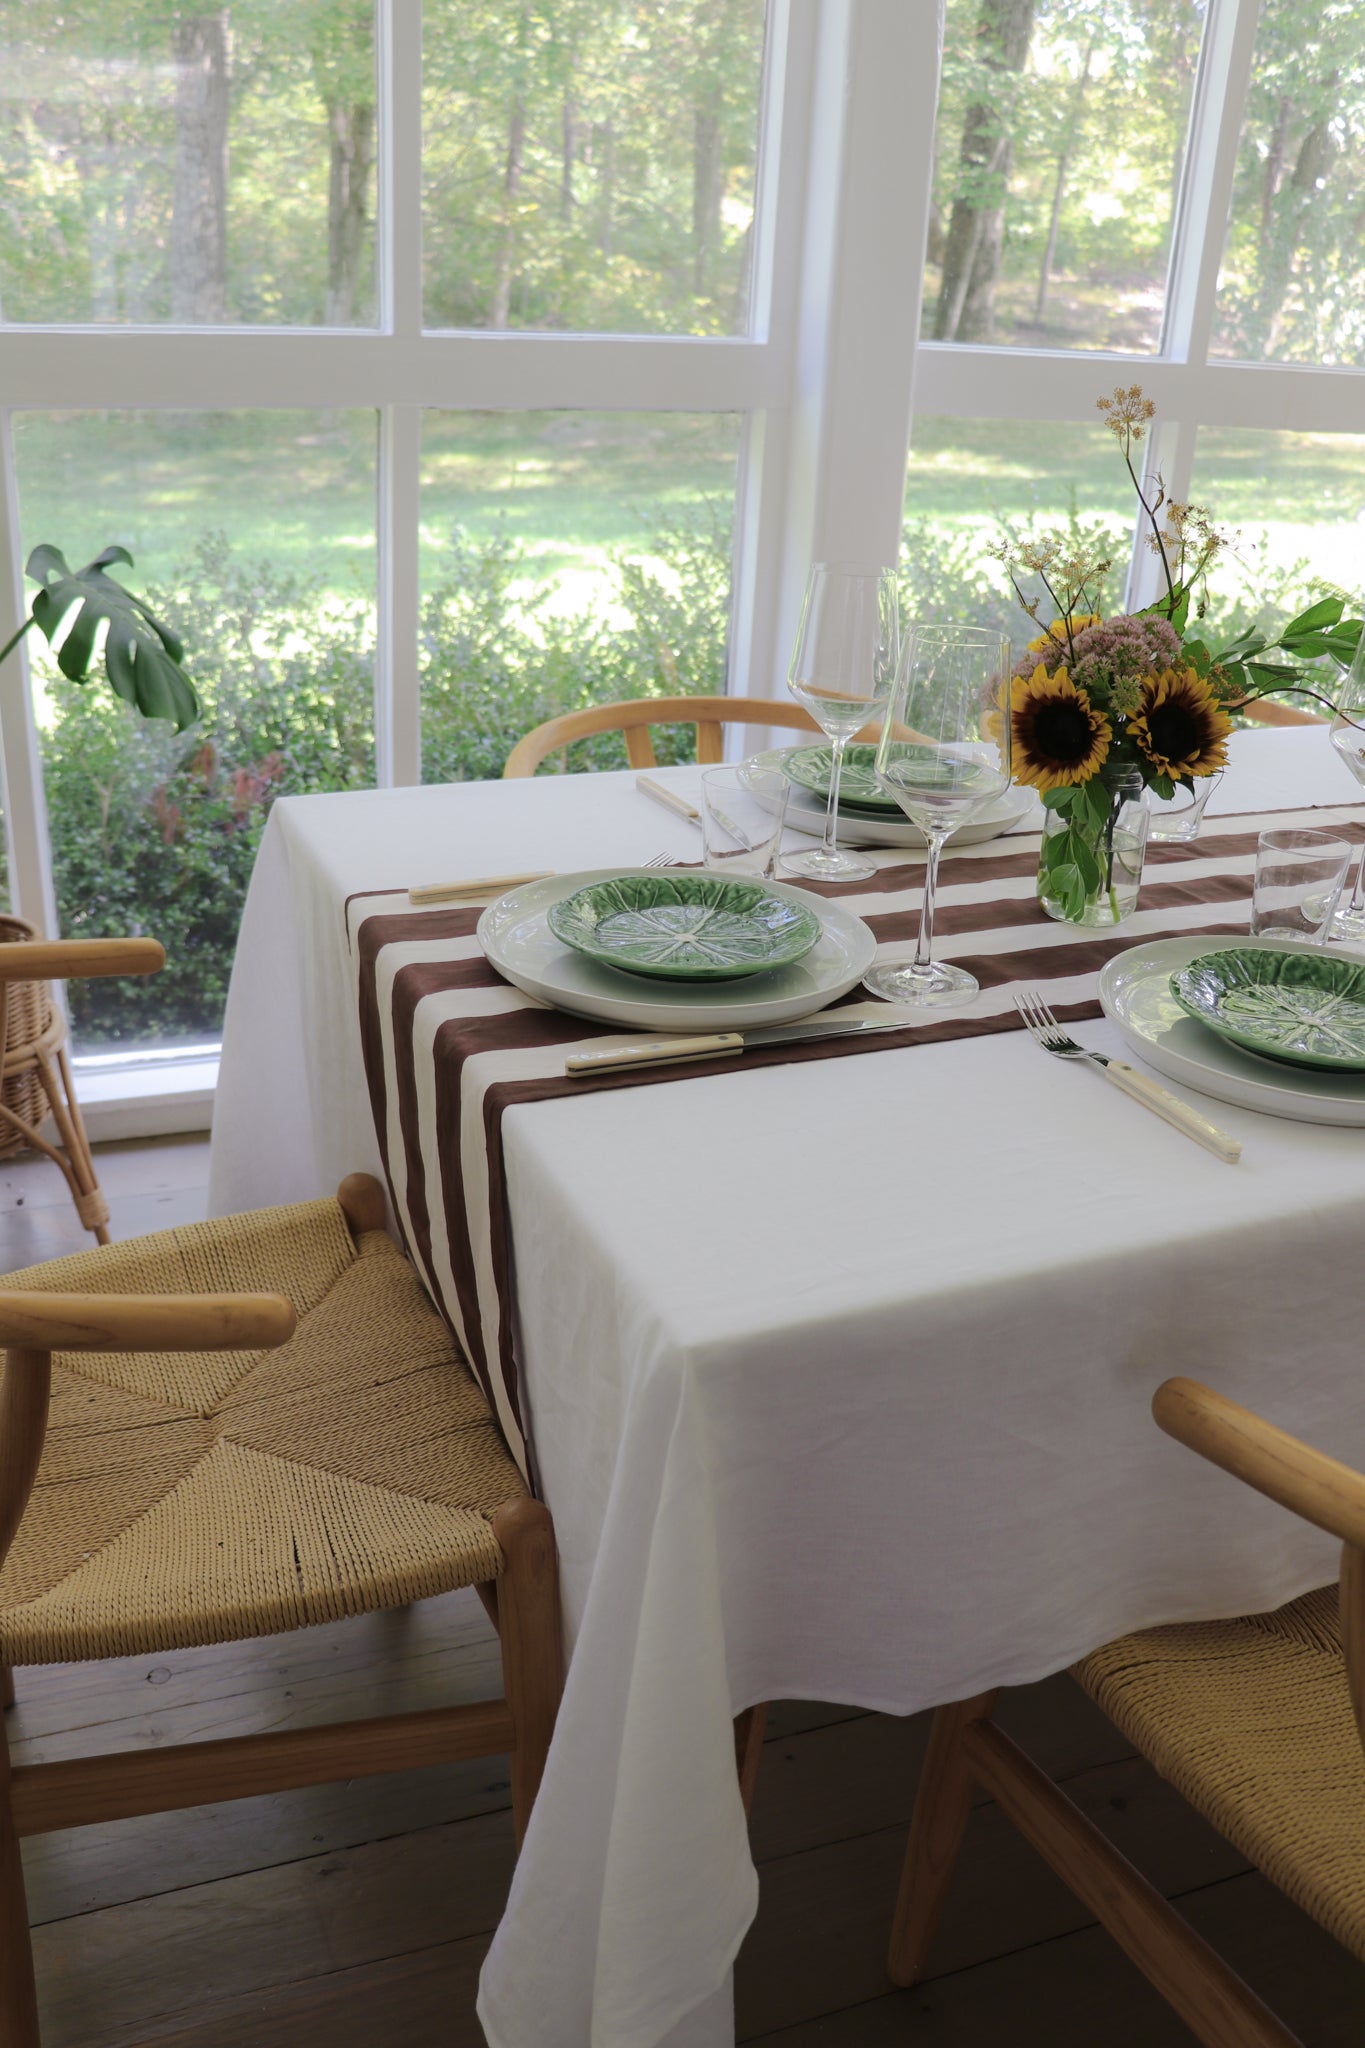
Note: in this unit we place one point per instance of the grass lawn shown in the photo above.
(300, 487)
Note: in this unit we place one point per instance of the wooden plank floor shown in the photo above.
(350, 1915)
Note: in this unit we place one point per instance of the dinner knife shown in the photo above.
(715, 1045)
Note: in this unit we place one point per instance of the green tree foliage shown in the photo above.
(590, 163)
(1060, 139)
(1293, 286)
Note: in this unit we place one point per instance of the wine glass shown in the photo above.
(944, 755)
(841, 670)
(1348, 737)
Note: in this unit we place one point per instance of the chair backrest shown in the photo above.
(1307, 1482)
(1281, 714)
(710, 716)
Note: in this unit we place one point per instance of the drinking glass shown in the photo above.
(944, 755)
(1298, 880)
(1348, 737)
(743, 811)
(841, 670)
(1177, 819)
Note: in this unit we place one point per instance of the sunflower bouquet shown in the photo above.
(1103, 707)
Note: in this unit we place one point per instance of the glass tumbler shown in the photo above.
(743, 811)
(1177, 819)
(1298, 880)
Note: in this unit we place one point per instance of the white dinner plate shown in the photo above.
(806, 813)
(517, 939)
(1135, 994)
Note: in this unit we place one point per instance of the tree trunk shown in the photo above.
(200, 48)
(606, 190)
(501, 306)
(1068, 144)
(705, 196)
(569, 147)
(976, 228)
(351, 129)
(1289, 214)
(1274, 168)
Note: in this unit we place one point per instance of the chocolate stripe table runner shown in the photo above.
(449, 1046)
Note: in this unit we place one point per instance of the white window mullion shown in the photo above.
(872, 128)
(754, 653)
(1225, 60)
(26, 836)
(396, 692)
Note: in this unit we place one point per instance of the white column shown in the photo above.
(869, 179)
(21, 777)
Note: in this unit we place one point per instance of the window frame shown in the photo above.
(828, 378)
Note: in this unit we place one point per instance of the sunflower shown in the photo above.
(1059, 737)
(1057, 631)
(1180, 727)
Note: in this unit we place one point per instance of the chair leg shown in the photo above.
(18, 1993)
(750, 1727)
(532, 1645)
(942, 1805)
(91, 1206)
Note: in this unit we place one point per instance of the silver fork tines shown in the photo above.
(1044, 1029)
(663, 860)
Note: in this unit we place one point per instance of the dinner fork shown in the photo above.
(663, 860)
(1045, 1031)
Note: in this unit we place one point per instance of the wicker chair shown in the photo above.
(199, 1464)
(634, 717)
(35, 1074)
(1259, 1723)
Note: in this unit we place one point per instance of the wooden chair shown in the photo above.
(35, 1074)
(229, 1431)
(710, 715)
(1259, 1723)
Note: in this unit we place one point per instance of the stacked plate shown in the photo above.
(867, 816)
(671, 951)
(1274, 1024)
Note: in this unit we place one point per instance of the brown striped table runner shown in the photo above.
(449, 1045)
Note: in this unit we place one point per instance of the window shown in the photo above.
(527, 348)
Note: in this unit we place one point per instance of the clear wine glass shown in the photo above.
(1348, 737)
(842, 670)
(944, 755)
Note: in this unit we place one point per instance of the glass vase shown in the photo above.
(1090, 862)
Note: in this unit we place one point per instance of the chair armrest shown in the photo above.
(1323, 1491)
(144, 1322)
(65, 959)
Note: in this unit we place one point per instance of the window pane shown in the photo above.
(1292, 287)
(1060, 142)
(1297, 504)
(195, 164)
(589, 164)
(971, 481)
(568, 559)
(253, 536)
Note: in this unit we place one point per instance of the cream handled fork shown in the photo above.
(1045, 1031)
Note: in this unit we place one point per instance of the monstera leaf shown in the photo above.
(141, 656)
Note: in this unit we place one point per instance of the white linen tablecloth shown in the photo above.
(840, 1372)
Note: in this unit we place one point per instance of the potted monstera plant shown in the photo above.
(141, 655)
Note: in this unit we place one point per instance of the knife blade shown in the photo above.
(714, 1045)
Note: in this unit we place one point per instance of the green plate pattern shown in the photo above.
(693, 927)
(1308, 1008)
(858, 784)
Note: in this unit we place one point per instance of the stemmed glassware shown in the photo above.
(1348, 737)
(842, 670)
(944, 755)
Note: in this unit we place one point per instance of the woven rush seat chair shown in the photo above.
(633, 717)
(1258, 1723)
(230, 1430)
(35, 1073)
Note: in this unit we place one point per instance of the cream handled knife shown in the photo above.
(715, 1045)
